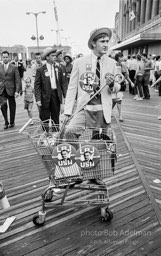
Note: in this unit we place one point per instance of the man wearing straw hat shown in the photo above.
(87, 66)
(92, 111)
(49, 87)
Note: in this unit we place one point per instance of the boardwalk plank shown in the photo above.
(67, 230)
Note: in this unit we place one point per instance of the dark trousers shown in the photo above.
(146, 78)
(159, 88)
(131, 75)
(53, 110)
(138, 86)
(12, 108)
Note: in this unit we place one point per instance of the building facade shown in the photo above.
(19, 50)
(28, 53)
(139, 29)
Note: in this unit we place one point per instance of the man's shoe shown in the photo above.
(6, 126)
(11, 125)
(97, 181)
(140, 99)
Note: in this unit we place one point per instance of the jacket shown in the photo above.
(20, 67)
(42, 85)
(9, 80)
(74, 88)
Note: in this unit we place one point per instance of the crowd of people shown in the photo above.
(86, 85)
(144, 71)
(12, 76)
(54, 70)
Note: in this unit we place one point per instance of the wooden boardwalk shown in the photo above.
(135, 193)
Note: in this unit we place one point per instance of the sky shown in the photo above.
(76, 19)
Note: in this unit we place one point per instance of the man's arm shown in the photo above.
(72, 89)
(34, 68)
(17, 81)
(126, 75)
(116, 86)
(63, 82)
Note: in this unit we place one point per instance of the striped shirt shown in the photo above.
(29, 94)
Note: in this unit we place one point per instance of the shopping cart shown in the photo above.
(72, 159)
(72, 162)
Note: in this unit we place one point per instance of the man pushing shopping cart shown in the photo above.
(84, 148)
(94, 100)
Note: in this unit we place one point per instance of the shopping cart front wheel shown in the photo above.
(106, 214)
(39, 219)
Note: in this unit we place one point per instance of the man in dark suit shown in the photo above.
(20, 67)
(50, 87)
(9, 89)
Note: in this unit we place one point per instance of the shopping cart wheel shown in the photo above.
(107, 214)
(37, 221)
(48, 195)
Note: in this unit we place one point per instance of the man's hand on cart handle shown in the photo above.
(110, 80)
(39, 103)
(16, 94)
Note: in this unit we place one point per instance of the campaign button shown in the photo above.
(87, 157)
(89, 82)
(64, 155)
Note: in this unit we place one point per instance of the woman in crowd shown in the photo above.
(118, 97)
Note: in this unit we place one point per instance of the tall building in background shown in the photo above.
(139, 29)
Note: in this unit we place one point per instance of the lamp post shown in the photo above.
(37, 34)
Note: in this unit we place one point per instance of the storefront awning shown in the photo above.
(138, 40)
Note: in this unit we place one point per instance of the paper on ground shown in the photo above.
(6, 224)
(157, 181)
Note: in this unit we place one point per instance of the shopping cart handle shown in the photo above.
(25, 126)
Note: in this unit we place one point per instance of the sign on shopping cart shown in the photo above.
(64, 155)
(87, 157)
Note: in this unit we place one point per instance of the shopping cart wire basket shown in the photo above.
(71, 158)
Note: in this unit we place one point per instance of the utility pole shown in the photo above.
(58, 36)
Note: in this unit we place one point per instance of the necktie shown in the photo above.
(98, 75)
(98, 69)
(5, 67)
(51, 71)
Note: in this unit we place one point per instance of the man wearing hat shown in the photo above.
(102, 69)
(59, 60)
(59, 56)
(49, 87)
(68, 65)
